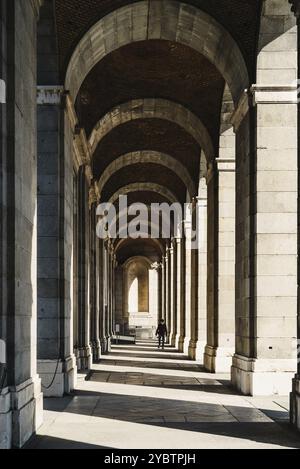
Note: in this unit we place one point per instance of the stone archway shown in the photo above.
(159, 19)
(149, 157)
(153, 108)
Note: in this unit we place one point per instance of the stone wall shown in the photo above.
(19, 193)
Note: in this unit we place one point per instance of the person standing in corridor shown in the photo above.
(161, 333)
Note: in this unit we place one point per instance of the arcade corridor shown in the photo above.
(149, 172)
(139, 397)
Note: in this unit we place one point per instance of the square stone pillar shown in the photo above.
(21, 403)
(173, 294)
(221, 267)
(295, 395)
(180, 294)
(202, 272)
(266, 266)
(83, 348)
(104, 338)
(168, 293)
(94, 281)
(188, 287)
(159, 292)
(165, 295)
(56, 361)
(192, 256)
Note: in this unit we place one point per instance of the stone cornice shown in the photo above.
(225, 165)
(263, 94)
(269, 94)
(55, 95)
(50, 95)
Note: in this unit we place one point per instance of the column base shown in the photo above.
(218, 359)
(192, 349)
(105, 343)
(262, 377)
(66, 376)
(199, 352)
(295, 403)
(84, 358)
(179, 342)
(173, 340)
(96, 348)
(21, 413)
(186, 345)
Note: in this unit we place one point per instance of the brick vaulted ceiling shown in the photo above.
(152, 69)
(239, 17)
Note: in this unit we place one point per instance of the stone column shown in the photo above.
(164, 288)
(107, 297)
(295, 395)
(159, 292)
(154, 300)
(266, 267)
(173, 294)
(111, 291)
(83, 349)
(192, 245)
(56, 361)
(21, 398)
(102, 295)
(221, 267)
(189, 282)
(180, 293)
(119, 298)
(202, 272)
(114, 291)
(168, 293)
(93, 273)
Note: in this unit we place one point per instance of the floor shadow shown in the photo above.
(161, 381)
(164, 355)
(157, 365)
(49, 442)
(153, 349)
(201, 417)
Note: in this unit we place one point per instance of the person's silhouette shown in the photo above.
(161, 333)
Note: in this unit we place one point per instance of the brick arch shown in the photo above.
(146, 157)
(153, 108)
(150, 222)
(159, 19)
(145, 186)
(118, 243)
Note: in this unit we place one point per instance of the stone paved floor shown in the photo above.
(139, 397)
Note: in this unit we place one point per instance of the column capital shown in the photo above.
(47, 95)
(157, 266)
(202, 201)
(225, 165)
(275, 94)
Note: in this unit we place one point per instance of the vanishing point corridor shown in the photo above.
(149, 186)
(139, 397)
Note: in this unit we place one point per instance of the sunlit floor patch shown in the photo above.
(129, 401)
